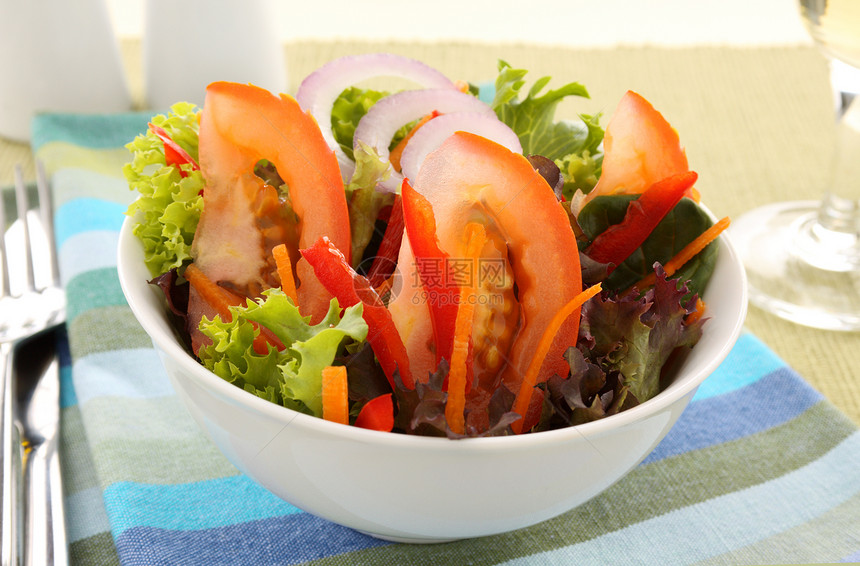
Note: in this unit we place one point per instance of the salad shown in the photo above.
(421, 261)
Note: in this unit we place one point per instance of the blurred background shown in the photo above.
(564, 22)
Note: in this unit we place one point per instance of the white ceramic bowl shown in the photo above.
(422, 489)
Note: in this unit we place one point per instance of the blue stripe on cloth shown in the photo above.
(748, 361)
(86, 214)
(67, 388)
(277, 541)
(852, 558)
(750, 410)
(129, 373)
(87, 251)
(727, 522)
(191, 506)
(486, 91)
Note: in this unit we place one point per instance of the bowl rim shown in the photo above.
(130, 267)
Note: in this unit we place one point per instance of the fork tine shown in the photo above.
(46, 208)
(23, 206)
(4, 263)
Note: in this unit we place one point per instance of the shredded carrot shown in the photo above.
(687, 253)
(697, 245)
(521, 403)
(476, 238)
(696, 314)
(694, 194)
(219, 298)
(285, 271)
(397, 152)
(385, 286)
(335, 394)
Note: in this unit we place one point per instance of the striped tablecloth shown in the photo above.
(759, 469)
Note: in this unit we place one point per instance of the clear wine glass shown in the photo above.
(803, 257)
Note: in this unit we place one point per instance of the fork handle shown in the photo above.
(45, 542)
(10, 467)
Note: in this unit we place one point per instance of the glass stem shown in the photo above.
(836, 228)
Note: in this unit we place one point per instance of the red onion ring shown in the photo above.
(431, 135)
(384, 118)
(319, 90)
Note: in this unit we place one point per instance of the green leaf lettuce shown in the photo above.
(169, 204)
(573, 145)
(634, 335)
(684, 223)
(352, 104)
(364, 201)
(291, 377)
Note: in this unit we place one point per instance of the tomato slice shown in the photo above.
(243, 217)
(640, 148)
(469, 178)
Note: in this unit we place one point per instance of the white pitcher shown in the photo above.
(59, 56)
(188, 44)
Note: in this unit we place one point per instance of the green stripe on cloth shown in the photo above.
(89, 130)
(809, 543)
(106, 328)
(97, 550)
(731, 521)
(167, 446)
(77, 464)
(681, 480)
(92, 290)
(62, 155)
(647, 492)
(151, 461)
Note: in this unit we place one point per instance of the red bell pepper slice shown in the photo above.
(643, 215)
(377, 414)
(433, 266)
(173, 152)
(386, 256)
(335, 273)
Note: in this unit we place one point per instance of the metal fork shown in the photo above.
(31, 303)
